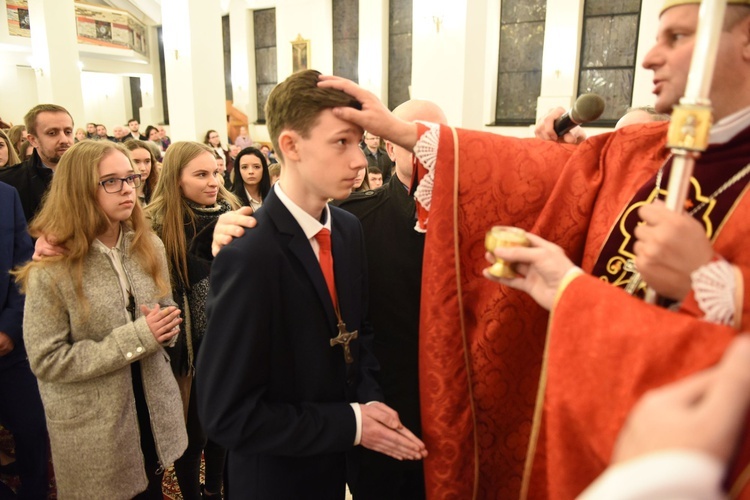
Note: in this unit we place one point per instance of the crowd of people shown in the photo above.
(146, 213)
(329, 319)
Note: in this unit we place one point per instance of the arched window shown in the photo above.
(266, 74)
(608, 49)
(346, 39)
(519, 75)
(399, 51)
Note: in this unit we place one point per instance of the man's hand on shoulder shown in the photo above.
(382, 431)
(231, 225)
(47, 246)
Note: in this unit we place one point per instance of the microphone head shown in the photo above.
(587, 108)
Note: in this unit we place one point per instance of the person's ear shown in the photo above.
(32, 140)
(288, 144)
(389, 149)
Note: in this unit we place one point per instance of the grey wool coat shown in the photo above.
(83, 362)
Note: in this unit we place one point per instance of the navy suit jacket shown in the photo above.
(15, 249)
(270, 388)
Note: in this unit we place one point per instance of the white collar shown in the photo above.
(104, 248)
(309, 224)
(725, 129)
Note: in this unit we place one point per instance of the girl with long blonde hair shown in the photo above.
(94, 331)
(188, 200)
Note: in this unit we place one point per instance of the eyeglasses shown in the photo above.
(114, 185)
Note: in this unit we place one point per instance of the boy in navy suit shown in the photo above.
(287, 356)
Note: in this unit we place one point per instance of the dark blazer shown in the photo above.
(394, 257)
(270, 387)
(15, 249)
(31, 179)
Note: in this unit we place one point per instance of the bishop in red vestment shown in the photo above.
(520, 402)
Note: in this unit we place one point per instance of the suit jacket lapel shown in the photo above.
(299, 245)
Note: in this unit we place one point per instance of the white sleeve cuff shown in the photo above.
(675, 474)
(714, 287)
(358, 418)
(426, 150)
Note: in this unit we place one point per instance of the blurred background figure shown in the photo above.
(376, 155)
(80, 135)
(163, 137)
(243, 139)
(374, 177)
(642, 114)
(17, 134)
(251, 181)
(142, 156)
(8, 156)
(361, 183)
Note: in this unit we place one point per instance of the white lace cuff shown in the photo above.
(714, 286)
(426, 150)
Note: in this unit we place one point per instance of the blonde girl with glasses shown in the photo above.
(95, 325)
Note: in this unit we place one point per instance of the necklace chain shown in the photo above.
(733, 180)
(635, 279)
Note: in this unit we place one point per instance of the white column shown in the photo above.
(194, 66)
(241, 39)
(373, 47)
(152, 109)
(482, 47)
(562, 48)
(54, 43)
(440, 66)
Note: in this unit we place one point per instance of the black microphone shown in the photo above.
(587, 108)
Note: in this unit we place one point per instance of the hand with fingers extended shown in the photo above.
(382, 431)
(231, 225)
(669, 247)
(47, 246)
(704, 412)
(545, 129)
(374, 117)
(541, 268)
(163, 323)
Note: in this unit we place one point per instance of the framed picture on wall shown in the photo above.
(300, 54)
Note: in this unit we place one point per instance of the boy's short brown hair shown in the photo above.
(295, 104)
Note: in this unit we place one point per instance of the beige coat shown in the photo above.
(83, 367)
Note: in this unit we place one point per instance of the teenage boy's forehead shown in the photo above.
(329, 123)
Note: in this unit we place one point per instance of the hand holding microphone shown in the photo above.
(560, 125)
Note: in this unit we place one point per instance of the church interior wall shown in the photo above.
(454, 60)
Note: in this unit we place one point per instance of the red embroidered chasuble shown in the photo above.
(479, 391)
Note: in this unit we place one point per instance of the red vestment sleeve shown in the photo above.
(606, 349)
